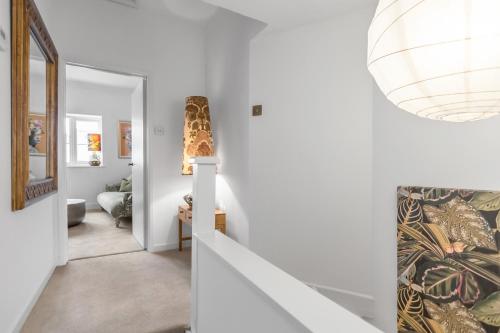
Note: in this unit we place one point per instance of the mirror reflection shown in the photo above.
(37, 119)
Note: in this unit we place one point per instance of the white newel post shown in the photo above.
(204, 169)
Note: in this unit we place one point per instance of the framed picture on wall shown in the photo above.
(37, 134)
(124, 139)
(448, 260)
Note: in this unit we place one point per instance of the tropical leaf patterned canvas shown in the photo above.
(448, 261)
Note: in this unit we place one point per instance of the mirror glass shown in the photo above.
(37, 118)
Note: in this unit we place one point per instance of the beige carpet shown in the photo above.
(138, 292)
(98, 236)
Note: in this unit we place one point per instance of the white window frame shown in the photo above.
(73, 117)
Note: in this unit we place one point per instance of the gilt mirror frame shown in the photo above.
(26, 21)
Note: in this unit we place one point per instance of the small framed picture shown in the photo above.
(124, 139)
(37, 134)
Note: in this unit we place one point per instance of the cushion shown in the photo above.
(113, 187)
(126, 185)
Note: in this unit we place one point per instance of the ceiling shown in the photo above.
(130, 3)
(89, 75)
(278, 14)
(195, 10)
(282, 14)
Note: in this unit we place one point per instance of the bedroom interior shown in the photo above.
(212, 166)
(98, 146)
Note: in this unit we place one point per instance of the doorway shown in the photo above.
(105, 161)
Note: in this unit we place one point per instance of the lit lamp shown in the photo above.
(438, 59)
(94, 146)
(198, 139)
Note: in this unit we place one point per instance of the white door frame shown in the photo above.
(62, 231)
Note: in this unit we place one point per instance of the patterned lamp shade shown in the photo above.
(438, 59)
(198, 139)
(94, 142)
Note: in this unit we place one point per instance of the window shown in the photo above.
(78, 128)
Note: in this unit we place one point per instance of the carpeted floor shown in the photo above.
(137, 292)
(98, 236)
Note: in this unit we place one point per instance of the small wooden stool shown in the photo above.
(186, 216)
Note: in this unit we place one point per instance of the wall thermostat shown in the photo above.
(3, 39)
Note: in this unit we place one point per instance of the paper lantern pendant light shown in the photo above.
(198, 139)
(438, 59)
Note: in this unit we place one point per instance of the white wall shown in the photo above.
(26, 237)
(333, 181)
(412, 151)
(311, 155)
(113, 104)
(151, 41)
(227, 80)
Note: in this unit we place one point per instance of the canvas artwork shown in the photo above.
(94, 142)
(448, 261)
(124, 139)
(37, 134)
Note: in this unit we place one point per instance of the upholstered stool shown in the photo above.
(76, 211)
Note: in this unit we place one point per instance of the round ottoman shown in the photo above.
(76, 211)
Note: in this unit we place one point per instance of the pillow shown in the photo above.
(126, 185)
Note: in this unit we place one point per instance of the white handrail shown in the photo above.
(311, 309)
(303, 306)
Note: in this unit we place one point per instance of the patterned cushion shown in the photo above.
(113, 187)
(126, 185)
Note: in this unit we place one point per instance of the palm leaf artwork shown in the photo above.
(454, 317)
(488, 310)
(448, 261)
(462, 222)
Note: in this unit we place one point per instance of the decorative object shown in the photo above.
(188, 198)
(185, 216)
(37, 134)
(76, 211)
(124, 139)
(198, 139)
(94, 145)
(448, 260)
(32, 46)
(126, 184)
(438, 59)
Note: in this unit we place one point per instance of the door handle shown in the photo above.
(131, 164)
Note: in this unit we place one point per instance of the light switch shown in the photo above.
(3, 39)
(159, 130)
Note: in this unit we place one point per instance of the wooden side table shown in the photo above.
(186, 216)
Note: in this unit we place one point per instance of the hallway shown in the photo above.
(138, 292)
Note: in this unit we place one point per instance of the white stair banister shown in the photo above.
(204, 170)
(235, 290)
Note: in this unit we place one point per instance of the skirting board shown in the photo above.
(169, 247)
(92, 206)
(359, 304)
(31, 304)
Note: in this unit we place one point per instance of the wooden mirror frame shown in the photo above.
(25, 21)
